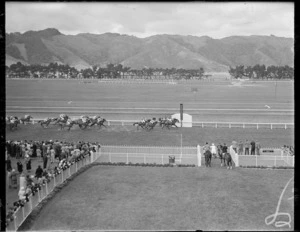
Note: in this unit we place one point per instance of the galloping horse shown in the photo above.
(207, 155)
(83, 125)
(171, 123)
(140, 124)
(26, 119)
(100, 122)
(220, 154)
(68, 124)
(12, 122)
(46, 122)
(150, 125)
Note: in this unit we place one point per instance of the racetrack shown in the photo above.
(223, 101)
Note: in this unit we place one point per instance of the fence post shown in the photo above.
(293, 160)
(30, 203)
(76, 166)
(244, 125)
(39, 195)
(23, 213)
(202, 124)
(144, 158)
(126, 158)
(275, 161)
(69, 171)
(47, 188)
(198, 155)
(162, 159)
(109, 157)
(284, 126)
(257, 126)
(229, 125)
(271, 126)
(54, 181)
(15, 223)
(216, 125)
(256, 160)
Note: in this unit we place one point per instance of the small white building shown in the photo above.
(186, 122)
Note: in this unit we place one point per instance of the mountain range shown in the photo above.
(159, 51)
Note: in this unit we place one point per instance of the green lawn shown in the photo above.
(145, 198)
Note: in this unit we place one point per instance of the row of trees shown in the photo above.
(55, 70)
(262, 72)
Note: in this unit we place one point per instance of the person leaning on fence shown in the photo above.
(206, 147)
(235, 146)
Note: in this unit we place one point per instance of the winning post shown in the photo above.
(181, 114)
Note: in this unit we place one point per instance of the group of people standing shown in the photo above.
(241, 148)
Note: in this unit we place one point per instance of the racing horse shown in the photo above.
(82, 124)
(141, 124)
(46, 122)
(26, 119)
(150, 125)
(12, 122)
(100, 122)
(68, 124)
(207, 155)
(171, 123)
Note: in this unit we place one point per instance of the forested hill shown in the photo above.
(159, 51)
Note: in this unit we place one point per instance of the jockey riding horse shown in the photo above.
(26, 119)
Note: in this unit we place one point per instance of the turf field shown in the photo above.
(137, 198)
(220, 101)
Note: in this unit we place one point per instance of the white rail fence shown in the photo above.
(204, 124)
(23, 212)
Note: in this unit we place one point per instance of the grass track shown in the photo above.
(128, 135)
(136, 198)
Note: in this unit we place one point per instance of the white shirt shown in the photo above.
(213, 149)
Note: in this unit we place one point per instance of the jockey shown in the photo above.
(69, 121)
(152, 120)
(84, 118)
(96, 117)
(26, 116)
(63, 116)
(143, 120)
(46, 119)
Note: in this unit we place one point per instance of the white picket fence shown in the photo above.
(142, 154)
(204, 124)
(23, 212)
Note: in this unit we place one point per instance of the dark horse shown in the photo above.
(46, 122)
(228, 160)
(26, 119)
(169, 124)
(220, 154)
(67, 124)
(207, 155)
(140, 124)
(100, 123)
(150, 125)
(83, 125)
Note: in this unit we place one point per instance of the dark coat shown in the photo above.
(39, 172)
(20, 167)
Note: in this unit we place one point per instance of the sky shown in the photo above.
(217, 20)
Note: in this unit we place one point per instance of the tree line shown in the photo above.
(111, 71)
(262, 72)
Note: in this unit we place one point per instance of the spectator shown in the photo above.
(44, 149)
(8, 164)
(252, 147)
(21, 194)
(38, 152)
(205, 147)
(247, 146)
(52, 157)
(39, 172)
(234, 146)
(20, 167)
(28, 164)
(34, 147)
(45, 160)
(18, 151)
(257, 147)
(240, 148)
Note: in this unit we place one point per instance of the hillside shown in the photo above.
(165, 51)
